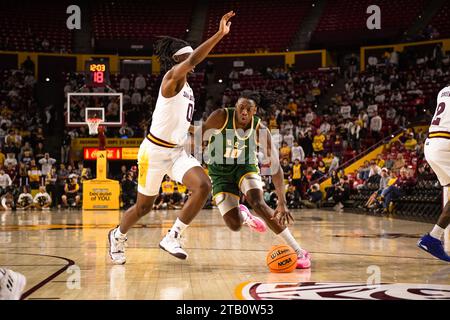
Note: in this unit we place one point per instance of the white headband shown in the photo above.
(187, 49)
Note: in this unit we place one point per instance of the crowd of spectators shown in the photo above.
(30, 176)
(405, 92)
(316, 138)
(392, 174)
(315, 134)
(429, 32)
(36, 43)
(139, 94)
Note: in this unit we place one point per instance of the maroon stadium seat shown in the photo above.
(252, 28)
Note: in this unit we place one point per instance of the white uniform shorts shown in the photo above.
(154, 162)
(437, 153)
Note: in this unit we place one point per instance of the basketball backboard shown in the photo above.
(84, 105)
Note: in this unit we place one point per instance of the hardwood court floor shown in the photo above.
(64, 254)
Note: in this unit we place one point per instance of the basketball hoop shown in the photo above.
(93, 124)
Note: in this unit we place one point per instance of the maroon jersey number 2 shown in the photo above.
(440, 109)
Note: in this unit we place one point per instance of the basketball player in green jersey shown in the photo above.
(234, 137)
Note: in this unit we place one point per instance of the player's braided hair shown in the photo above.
(165, 47)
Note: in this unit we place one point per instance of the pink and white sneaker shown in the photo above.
(254, 223)
(305, 261)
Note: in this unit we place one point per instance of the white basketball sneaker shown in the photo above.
(172, 244)
(116, 248)
(11, 284)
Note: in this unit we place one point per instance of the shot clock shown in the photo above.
(97, 73)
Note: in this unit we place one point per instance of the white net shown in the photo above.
(93, 124)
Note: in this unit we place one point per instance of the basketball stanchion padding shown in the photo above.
(101, 193)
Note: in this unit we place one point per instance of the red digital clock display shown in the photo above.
(98, 73)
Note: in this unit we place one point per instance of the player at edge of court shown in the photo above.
(234, 135)
(437, 154)
(11, 284)
(162, 151)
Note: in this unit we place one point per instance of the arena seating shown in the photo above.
(300, 84)
(344, 22)
(420, 201)
(14, 93)
(253, 28)
(441, 21)
(145, 109)
(25, 24)
(141, 19)
(423, 200)
(152, 80)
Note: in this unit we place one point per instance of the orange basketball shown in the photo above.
(281, 258)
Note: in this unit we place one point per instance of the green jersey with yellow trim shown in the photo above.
(230, 146)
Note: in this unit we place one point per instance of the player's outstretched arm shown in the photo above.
(270, 151)
(180, 70)
(215, 121)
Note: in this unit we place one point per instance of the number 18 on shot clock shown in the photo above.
(97, 73)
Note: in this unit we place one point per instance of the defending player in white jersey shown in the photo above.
(437, 153)
(162, 151)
